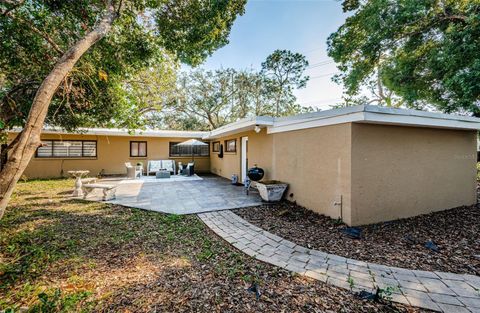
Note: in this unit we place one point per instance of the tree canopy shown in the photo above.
(285, 71)
(425, 52)
(210, 99)
(146, 34)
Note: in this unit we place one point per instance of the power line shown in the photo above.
(321, 62)
(324, 75)
(319, 65)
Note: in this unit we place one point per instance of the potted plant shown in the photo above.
(271, 190)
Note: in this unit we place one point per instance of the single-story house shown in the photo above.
(363, 164)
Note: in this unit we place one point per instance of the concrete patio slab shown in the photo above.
(182, 195)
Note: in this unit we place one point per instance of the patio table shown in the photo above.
(78, 192)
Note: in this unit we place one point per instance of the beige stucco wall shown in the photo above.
(259, 152)
(315, 163)
(363, 173)
(399, 172)
(112, 153)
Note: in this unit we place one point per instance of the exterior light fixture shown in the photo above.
(257, 129)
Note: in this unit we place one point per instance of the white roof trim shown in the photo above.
(359, 114)
(240, 126)
(374, 115)
(124, 132)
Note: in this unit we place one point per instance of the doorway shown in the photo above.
(244, 158)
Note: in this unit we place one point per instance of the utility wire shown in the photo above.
(324, 75)
(318, 65)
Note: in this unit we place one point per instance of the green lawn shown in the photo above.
(59, 254)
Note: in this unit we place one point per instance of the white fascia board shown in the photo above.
(239, 126)
(418, 113)
(124, 132)
(315, 122)
(418, 121)
(280, 121)
(374, 115)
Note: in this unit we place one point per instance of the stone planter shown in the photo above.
(271, 191)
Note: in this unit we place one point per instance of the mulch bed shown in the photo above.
(400, 243)
(83, 256)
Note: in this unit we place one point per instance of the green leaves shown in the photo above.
(426, 51)
(284, 71)
(146, 33)
(193, 29)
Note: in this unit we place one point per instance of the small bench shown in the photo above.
(108, 190)
(89, 180)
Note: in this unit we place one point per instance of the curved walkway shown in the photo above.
(440, 291)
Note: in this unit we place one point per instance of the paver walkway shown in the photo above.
(440, 291)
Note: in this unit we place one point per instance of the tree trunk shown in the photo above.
(29, 139)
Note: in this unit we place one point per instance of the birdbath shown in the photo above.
(78, 192)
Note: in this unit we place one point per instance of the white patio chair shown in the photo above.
(133, 172)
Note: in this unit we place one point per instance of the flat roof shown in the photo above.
(125, 132)
(242, 125)
(370, 114)
(373, 114)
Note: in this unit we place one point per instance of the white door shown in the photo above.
(244, 159)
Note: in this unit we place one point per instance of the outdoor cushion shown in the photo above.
(169, 165)
(154, 166)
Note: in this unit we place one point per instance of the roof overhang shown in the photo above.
(370, 114)
(374, 115)
(240, 126)
(123, 132)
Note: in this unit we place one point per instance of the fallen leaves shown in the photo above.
(442, 241)
(108, 258)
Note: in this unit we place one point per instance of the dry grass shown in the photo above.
(63, 255)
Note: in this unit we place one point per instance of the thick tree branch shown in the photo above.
(29, 140)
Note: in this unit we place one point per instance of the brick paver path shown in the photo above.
(440, 291)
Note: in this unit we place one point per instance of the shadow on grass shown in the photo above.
(45, 242)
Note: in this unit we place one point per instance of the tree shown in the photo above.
(210, 99)
(374, 92)
(49, 52)
(425, 52)
(147, 92)
(285, 71)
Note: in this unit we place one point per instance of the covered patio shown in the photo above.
(187, 195)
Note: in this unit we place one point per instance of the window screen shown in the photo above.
(186, 151)
(67, 149)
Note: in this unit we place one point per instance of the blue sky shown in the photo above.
(297, 25)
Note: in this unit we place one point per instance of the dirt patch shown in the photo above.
(400, 243)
